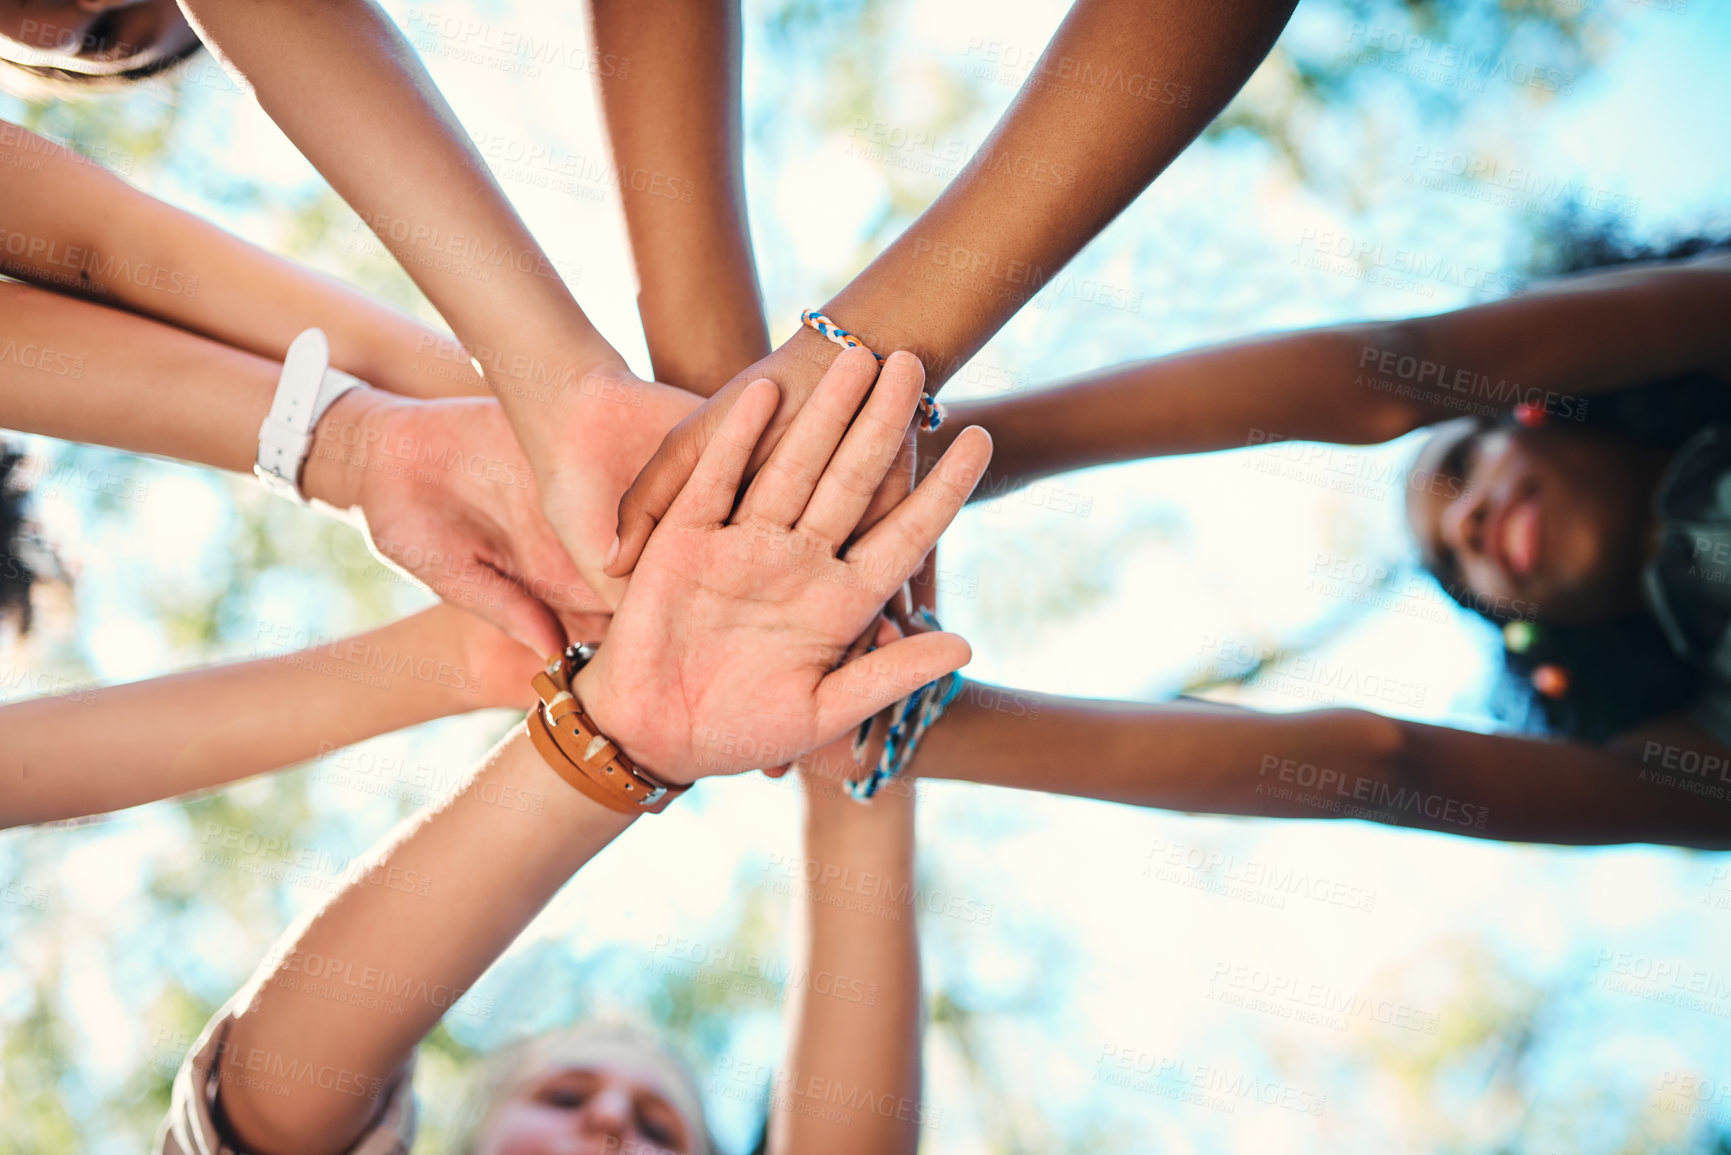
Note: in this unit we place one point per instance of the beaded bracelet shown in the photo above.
(931, 412)
(913, 716)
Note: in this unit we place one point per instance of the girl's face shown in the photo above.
(616, 1109)
(1548, 523)
(92, 35)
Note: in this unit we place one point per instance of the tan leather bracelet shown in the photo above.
(549, 750)
(579, 753)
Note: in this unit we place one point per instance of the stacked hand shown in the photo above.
(448, 496)
(728, 650)
(605, 441)
(796, 367)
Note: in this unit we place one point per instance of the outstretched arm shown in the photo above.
(1123, 87)
(1565, 340)
(81, 371)
(858, 921)
(77, 228)
(442, 485)
(854, 1006)
(1196, 756)
(96, 750)
(1304, 386)
(734, 626)
(673, 120)
(479, 871)
(344, 84)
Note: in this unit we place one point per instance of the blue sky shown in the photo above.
(1173, 563)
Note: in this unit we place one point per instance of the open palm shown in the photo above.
(727, 651)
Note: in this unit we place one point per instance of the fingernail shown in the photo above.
(612, 552)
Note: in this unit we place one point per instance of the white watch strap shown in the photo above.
(308, 386)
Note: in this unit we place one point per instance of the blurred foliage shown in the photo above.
(838, 65)
(1347, 81)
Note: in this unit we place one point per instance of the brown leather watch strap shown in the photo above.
(549, 750)
(584, 752)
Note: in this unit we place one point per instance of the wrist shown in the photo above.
(876, 837)
(808, 355)
(545, 396)
(858, 310)
(695, 346)
(796, 366)
(832, 811)
(624, 723)
(485, 668)
(336, 463)
(521, 766)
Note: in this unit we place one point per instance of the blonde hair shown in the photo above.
(590, 1043)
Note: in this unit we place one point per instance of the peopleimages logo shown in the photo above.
(1321, 1003)
(1379, 799)
(1370, 255)
(90, 270)
(729, 967)
(1255, 879)
(1425, 58)
(1208, 1084)
(1499, 393)
(892, 895)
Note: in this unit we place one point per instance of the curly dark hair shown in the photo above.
(17, 571)
(1623, 672)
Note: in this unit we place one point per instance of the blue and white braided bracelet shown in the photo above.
(912, 717)
(931, 412)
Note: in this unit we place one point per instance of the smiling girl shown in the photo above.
(1585, 506)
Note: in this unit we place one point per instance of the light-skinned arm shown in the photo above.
(75, 227)
(855, 1012)
(735, 625)
(92, 751)
(344, 84)
(442, 486)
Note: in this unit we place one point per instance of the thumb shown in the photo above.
(862, 687)
(659, 482)
(654, 490)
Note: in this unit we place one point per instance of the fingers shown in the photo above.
(872, 444)
(888, 630)
(660, 482)
(510, 608)
(867, 684)
(530, 547)
(591, 628)
(707, 498)
(896, 485)
(780, 492)
(893, 549)
(921, 592)
(468, 579)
